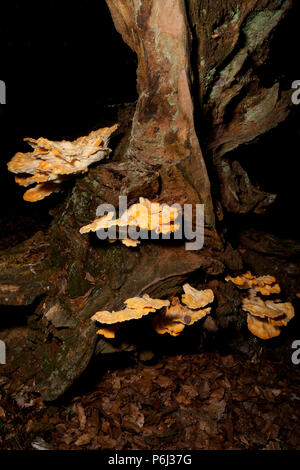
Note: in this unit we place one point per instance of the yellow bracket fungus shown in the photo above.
(264, 318)
(194, 298)
(266, 285)
(136, 308)
(145, 215)
(172, 320)
(51, 163)
(109, 332)
(177, 316)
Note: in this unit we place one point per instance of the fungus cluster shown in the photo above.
(177, 316)
(145, 215)
(266, 285)
(264, 317)
(172, 319)
(135, 309)
(51, 163)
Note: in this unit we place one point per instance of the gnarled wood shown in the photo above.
(163, 133)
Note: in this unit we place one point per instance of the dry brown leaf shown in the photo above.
(81, 416)
(164, 381)
(2, 413)
(84, 440)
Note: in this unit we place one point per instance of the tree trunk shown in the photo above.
(197, 79)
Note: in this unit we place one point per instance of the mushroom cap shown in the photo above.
(259, 308)
(40, 191)
(136, 308)
(266, 285)
(108, 332)
(279, 313)
(262, 328)
(122, 315)
(195, 299)
(130, 242)
(146, 302)
(176, 317)
(264, 317)
(165, 325)
(53, 161)
(181, 314)
(105, 221)
(287, 312)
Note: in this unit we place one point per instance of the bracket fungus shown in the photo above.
(194, 298)
(264, 318)
(172, 320)
(109, 332)
(266, 285)
(136, 308)
(145, 215)
(177, 316)
(51, 163)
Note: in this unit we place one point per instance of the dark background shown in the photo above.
(64, 65)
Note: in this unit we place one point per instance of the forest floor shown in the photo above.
(212, 400)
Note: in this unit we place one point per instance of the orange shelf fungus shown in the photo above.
(40, 191)
(266, 285)
(51, 163)
(109, 332)
(171, 318)
(264, 318)
(129, 242)
(136, 308)
(194, 298)
(177, 316)
(144, 215)
(261, 328)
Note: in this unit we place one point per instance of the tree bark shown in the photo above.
(197, 63)
(232, 44)
(163, 133)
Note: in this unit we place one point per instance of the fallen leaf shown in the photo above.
(83, 440)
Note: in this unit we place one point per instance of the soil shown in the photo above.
(244, 399)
